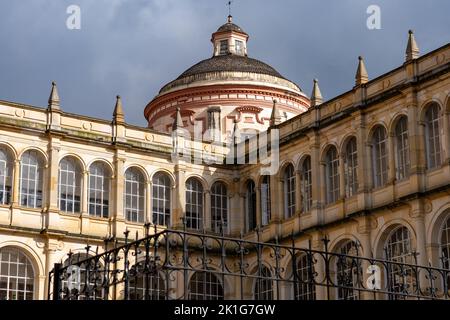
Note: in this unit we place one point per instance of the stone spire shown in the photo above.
(412, 50)
(178, 121)
(275, 117)
(316, 95)
(53, 100)
(361, 74)
(118, 115)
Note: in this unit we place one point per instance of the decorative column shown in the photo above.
(316, 194)
(84, 202)
(207, 211)
(51, 185)
(118, 217)
(16, 183)
(148, 203)
(298, 191)
(180, 194)
(258, 205)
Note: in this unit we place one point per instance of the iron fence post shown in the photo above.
(56, 281)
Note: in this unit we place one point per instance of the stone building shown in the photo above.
(368, 170)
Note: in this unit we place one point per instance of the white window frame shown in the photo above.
(69, 180)
(402, 148)
(14, 276)
(194, 204)
(432, 136)
(351, 168)
(5, 177)
(380, 157)
(134, 195)
(161, 199)
(289, 191)
(98, 190)
(31, 185)
(219, 207)
(332, 175)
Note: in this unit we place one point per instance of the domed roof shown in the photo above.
(230, 62)
(219, 67)
(230, 26)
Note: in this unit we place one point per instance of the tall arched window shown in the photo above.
(205, 286)
(379, 157)
(289, 191)
(432, 136)
(348, 271)
(5, 176)
(445, 244)
(265, 201)
(219, 207)
(306, 289)
(134, 196)
(351, 168)
(306, 184)
(146, 284)
(250, 206)
(398, 249)
(332, 175)
(99, 184)
(194, 204)
(31, 179)
(69, 185)
(83, 278)
(16, 275)
(263, 284)
(161, 199)
(402, 148)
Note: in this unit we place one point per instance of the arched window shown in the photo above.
(194, 204)
(445, 244)
(432, 136)
(265, 201)
(161, 199)
(332, 175)
(83, 278)
(349, 271)
(205, 286)
(16, 275)
(146, 284)
(250, 206)
(306, 289)
(379, 157)
(99, 184)
(69, 185)
(289, 191)
(402, 148)
(263, 284)
(306, 184)
(398, 249)
(134, 196)
(31, 181)
(219, 207)
(351, 168)
(5, 176)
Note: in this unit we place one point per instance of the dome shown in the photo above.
(230, 26)
(230, 67)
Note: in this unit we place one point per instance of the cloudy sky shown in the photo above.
(134, 47)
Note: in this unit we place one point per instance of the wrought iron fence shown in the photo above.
(180, 264)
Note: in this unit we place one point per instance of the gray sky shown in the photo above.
(134, 47)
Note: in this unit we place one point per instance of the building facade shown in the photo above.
(368, 170)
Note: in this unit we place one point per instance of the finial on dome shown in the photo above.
(53, 99)
(230, 19)
(316, 95)
(361, 74)
(275, 117)
(412, 49)
(178, 121)
(118, 115)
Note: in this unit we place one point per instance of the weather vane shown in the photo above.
(229, 7)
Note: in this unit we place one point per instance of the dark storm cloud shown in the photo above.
(134, 47)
